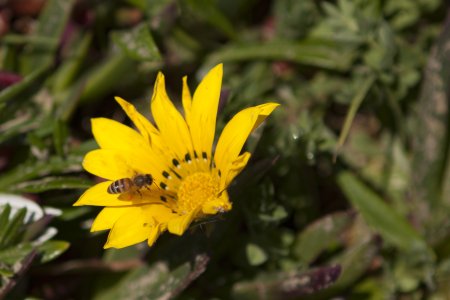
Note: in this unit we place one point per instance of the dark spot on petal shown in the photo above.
(163, 185)
(220, 173)
(163, 198)
(204, 155)
(187, 157)
(175, 162)
(165, 174)
(195, 154)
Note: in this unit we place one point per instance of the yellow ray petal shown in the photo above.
(172, 126)
(202, 121)
(160, 213)
(113, 135)
(131, 228)
(236, 167)
(108, 216)
(186, 99)
(108, 164)
(98, 196)
(236, 133)
(154, 234)
(179, 224)
(142, 123)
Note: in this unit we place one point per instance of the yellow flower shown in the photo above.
(189, 180)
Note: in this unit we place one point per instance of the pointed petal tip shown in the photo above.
(120, 100)
(217, 70)
(78, 203)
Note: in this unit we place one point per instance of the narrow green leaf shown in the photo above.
(28, 83)
(355, 104)
(156, 281)
(4, 220)
(14, 228)
(52, 249)
(286, 285)
(380, 216)
(105, 76)
(51, 183)
(324, 234)
(50, 25)
(60, 132)
(208, 10)
(68, 100)
(15, 254)
(137, 43)
(65, 75)
(314, 52)
(31, 170)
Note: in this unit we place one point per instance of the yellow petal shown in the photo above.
(236, 133)
(160, 213)
(172, 127)
(186, 99)
(108, 216)
(154, 234)
(131, 228)
(113, 135)
(205, 103)
(236, 167)
(179, 224)
(98, 196)
(142, 123)
(108, 164)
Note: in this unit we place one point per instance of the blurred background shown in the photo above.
(347, 194)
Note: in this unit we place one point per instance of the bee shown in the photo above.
(128, 185)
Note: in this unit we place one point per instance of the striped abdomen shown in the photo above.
(120, 186)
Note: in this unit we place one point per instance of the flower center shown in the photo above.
(195, 190)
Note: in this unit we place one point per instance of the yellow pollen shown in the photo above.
(195, 190)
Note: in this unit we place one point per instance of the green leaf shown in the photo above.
(60, 135)
(354, 261)
(314, 52)
(105, 76)
(6, 272)
(41, 168)
(70, 67)
(4, 220)
(324, 234)
(13, 228)
(255, 254)
(50, 25)
(384, 219)
(16, 253)
(351, 113)
(286, 285)
(51, 183)
(29, 82)
(52, 249)
(156, 281)
(208, 10)
(137, 43)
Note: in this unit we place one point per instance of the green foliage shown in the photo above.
(22, 242)
(346, 194)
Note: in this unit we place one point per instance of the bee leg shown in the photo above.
(139, 192)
